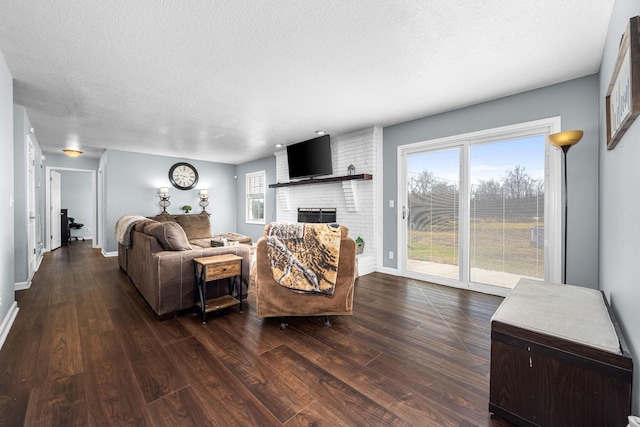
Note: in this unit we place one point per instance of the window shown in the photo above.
(255, 197)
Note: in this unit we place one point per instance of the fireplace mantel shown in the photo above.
(363, 176)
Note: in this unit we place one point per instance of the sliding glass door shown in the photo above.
(433, 212)
(506, 218)
(476, 208)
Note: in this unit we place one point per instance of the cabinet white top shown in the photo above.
(570, 312)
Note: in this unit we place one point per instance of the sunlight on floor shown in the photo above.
(489, 277)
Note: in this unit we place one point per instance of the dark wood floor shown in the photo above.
(85, 349)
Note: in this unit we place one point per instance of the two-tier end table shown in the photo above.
(212, 268)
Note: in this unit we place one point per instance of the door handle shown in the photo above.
(404, 212)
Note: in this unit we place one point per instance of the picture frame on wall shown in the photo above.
(623, 95)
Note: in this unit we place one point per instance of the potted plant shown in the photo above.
(186, 208)
(359, 245)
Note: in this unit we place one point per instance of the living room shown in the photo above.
(603, 233)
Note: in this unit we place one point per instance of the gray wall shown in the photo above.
(20, 195)
(620, 204)
(76, 194)
(132, 181)
(268, 165)
(576, 101)
(66, 162)
(7, 267)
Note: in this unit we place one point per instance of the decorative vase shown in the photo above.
(359, 248)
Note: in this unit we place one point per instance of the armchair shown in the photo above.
(276, 300)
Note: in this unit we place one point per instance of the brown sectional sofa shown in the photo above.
(160, 260)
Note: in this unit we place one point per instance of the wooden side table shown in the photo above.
(212, 268)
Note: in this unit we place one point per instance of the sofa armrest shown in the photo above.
(173, 272)
(165, 278)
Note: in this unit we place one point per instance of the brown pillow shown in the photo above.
(170, 235)
(142, 224)
(195, 226)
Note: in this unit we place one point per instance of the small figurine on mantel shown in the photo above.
(351, 170)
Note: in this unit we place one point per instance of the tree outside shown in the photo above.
(506, 229)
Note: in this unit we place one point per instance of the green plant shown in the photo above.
(186, 208)
(359, 240)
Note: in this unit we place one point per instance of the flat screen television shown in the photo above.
(310, 158)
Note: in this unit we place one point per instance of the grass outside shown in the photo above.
(495, 246)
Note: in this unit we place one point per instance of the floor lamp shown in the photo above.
(565, 140)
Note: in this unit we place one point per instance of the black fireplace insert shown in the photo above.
(317, 215)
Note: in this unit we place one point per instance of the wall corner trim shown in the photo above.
(8, 322)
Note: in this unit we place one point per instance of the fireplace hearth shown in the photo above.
(317, 215)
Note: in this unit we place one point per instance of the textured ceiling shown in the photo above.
(226, 80)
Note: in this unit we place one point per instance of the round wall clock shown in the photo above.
(183, 176)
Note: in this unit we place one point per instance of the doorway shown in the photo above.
(480, 209)
(54, 189)
(31, 208)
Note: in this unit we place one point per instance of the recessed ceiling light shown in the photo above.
(278, 145)
(320, 132)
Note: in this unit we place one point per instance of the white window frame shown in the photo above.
(255, 196)
(552, 194)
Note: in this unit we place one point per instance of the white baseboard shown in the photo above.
(8, 322)
(366, 264)
(387, 270)
(21, 286)
(109, 254)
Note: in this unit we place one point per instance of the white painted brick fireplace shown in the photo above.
(356, 201)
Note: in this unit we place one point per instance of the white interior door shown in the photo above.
(31, 206)
(55, 200)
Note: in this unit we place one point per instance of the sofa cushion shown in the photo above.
(142, 224)
(146, 224)
(163, 217)
(170, 235)
(195, 226)
(201, 243)
(235, 237)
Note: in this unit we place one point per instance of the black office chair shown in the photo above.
(73, 225)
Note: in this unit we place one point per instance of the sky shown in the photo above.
(487, 161)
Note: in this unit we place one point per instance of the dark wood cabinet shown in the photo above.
(545, 380)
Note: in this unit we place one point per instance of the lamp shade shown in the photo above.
(568, 137)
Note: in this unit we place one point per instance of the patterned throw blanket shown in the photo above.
(304, 257)
(123, 228)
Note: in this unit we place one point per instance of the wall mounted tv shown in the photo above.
(310, 158)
